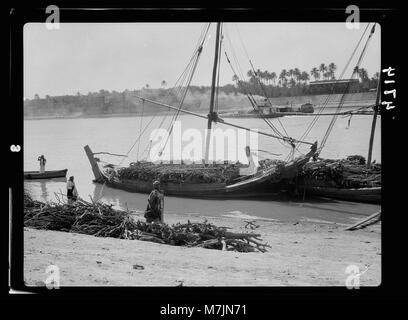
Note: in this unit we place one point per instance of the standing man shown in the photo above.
(154, 210)
(42, 163)
(72, 193)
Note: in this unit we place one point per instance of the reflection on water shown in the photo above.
(268, 209)
(119, 198)
(44, 192)
(44, 189)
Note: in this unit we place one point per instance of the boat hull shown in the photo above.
(367, 195)
(30, 175)
(253, 186)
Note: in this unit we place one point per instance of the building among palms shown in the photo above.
(334, 86)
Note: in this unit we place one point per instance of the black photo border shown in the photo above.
(389, 19)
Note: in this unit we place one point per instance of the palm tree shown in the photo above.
(297, 74)
(259, 75)
(363, 74)
(272, 76)
(332, 69)
(356, 71)
(267, 76)
(304, 77)
(235, 78)
(164, 83)
(323, 69)
(282, 77)
(315, 73)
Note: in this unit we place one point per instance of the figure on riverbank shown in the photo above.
(42, 163)
(154, 210)
(72, 193)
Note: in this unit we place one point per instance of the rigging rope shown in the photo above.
(182, 100)
(314, 120)
(247, 91)
(176, 88)
(140, 130)
(253, 103)
(180, 94)
(251, 98)
(355, 71)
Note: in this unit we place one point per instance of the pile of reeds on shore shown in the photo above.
(101, 220)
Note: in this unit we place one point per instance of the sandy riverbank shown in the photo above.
(302, 254)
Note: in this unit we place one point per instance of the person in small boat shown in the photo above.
(42, 163)
(72, 193)
(154, 210)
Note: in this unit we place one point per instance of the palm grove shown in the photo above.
(295, 82)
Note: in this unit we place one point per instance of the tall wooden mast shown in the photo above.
(212, 115)
(377, 102)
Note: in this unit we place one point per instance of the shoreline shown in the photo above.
(132, 114)
(302, 254)
(110, 115)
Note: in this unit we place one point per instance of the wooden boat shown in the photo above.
(244, 185)
(248, 186)
(45, 175)
(369, 195)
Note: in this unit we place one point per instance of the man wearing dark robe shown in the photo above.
(154, 210)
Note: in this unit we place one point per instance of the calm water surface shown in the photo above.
(62, 142)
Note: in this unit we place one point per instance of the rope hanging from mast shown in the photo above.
(355, 71)
(247, 92)
(176, 90)
(329, 95)
(287, 139)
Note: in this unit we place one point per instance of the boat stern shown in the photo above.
(94, 164)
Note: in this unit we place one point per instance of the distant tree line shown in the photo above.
(295, 82)
(288, 83)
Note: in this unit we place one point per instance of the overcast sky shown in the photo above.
(89, 57)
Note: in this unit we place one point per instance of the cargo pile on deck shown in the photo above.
(192, 173)
(351, 172)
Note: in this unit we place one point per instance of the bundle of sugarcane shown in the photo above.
(179, 173)
(99, 219)
(344, 173)
(269, 163)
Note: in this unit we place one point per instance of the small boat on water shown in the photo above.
(266, 110)
(31, 175)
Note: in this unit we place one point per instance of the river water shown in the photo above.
(62, 142)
